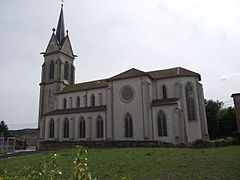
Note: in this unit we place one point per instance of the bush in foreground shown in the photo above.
(227, 141)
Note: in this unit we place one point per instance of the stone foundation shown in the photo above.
(54, 145)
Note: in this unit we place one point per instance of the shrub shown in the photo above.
(227, 141)
(201, 143)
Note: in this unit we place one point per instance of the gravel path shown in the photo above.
(21, 153)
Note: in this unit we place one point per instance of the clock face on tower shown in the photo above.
(127, 93)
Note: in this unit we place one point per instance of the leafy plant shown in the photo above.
(51, 170)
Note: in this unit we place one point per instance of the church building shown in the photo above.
(164, 105)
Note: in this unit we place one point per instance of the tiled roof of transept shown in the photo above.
(85, 86)
(131, 73)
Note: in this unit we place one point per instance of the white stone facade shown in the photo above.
(133, 105)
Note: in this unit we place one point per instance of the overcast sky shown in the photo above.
(111, 36)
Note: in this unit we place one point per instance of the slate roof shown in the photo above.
(159, 102)
(235, 94)
(77, 110)
(128, 74)
(159, 74)
(85, 86)
(131, 73)
(172, 72)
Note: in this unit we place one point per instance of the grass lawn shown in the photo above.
(144, 163)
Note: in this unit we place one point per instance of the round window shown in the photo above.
(127, 93)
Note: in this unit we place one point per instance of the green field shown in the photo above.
(144, 163)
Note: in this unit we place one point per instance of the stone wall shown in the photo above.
(54, 145)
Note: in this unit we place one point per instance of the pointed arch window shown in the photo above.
(51, 70)
(92, 100)
(66, 70)
(177, 90)
(78, 102)
(49, 95)
(164, 92)
(51, 129)
(72, 74)
(85, 100)
(162, 124)
(82, 128)
(128, 125)
(100, 99)
(64, 103)
(99, 127)
(66, 128)
(190, 101)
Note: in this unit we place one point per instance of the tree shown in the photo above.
(221, 121)
(227, 122)
(3, 129)
(213, 113)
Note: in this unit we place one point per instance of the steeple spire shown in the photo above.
(60, 34)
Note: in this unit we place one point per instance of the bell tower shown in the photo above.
(58, 68)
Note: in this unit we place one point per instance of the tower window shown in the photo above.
(78, 102)
(128, 125)
(85, 100)
(72, 74)
(49, 95)
(92, 100)
(70, 102)
(64, 103)
(51, 129)
(82, 128)
(51, 70)
(99, 127)
(164, 92)
(66, 70)
(162, 124)
(100, 99)
(66, 128)
(190, 101)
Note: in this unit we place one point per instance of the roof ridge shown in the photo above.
(127, 71)
(162, 69)
(90, 81)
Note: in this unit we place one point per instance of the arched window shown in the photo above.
(66, 70)
(49, 93)
(85, 100)
(64, 103)
(99, 127)
(66, 128)
(190, 101)
(162, 124)
(100, 99)
(51, 70)
(78, 102)
(92, 100)
(177, 90)
(51, 129)
(72, 74)
(164, 92)
(82, 127)
(70, 102)
(128, 125)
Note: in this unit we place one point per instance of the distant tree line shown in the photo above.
(221, 121)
